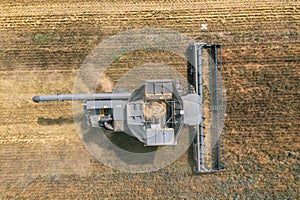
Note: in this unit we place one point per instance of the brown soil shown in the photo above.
(42, 45)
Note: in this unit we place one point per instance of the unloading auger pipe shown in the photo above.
(79, 97)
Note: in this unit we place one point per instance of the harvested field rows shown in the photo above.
(43, 44)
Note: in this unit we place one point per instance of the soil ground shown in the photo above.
(42, 45)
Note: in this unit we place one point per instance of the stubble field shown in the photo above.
(42, 46)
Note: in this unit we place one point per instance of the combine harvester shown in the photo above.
(156, 111)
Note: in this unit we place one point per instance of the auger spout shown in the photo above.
(80, 97)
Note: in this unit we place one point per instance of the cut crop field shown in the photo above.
(44, 43)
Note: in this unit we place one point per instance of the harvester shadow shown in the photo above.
(119, 144)
(131, 144)
(128, 143)
(191, 153)
(191, 160)
(46, 121)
